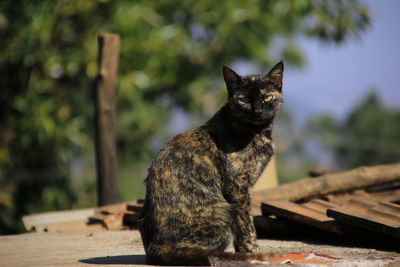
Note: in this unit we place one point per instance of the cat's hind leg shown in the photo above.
(186, 252)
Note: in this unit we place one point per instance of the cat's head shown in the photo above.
(254, 99)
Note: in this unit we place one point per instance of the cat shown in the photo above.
(197, 189)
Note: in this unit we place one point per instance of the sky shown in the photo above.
(337, 77)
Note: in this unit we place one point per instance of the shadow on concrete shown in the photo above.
(123, 259)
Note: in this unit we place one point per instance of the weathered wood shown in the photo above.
(369, 220)
(113, 208)
(130, 219)
(360, 220)
(299, 213)
(317, 172)
(109, 222)
(105, 102)
(385, 196)
(43, 222)
(134, 208)
(69, 227)
(337, 182)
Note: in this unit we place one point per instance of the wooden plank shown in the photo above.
(284, 207)
(378, 211)
(109, 222)
(386, 196)
(390, 207)
(40, 221)
(300, 214)
(114, 221)
(366, 220)
(385, 187)
(319, 205)
(69, 227)
(105, 103)
(338, 182)
(130, 219)
(114, 208)
(134, 208)
(382, 196)
(96, 220)
(360, 204)
(383, 209)
(82, 220)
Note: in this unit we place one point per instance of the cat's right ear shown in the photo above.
(275, 75)
(230, 78)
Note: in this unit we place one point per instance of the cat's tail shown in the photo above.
(197, 257)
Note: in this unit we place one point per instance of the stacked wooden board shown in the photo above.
(361, 214)
(111, 217)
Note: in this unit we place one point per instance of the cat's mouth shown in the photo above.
(260, 121)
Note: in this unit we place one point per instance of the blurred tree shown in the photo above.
(292, 159)
(368, 136)
(371, 135)
(325, 129)
(171, 55)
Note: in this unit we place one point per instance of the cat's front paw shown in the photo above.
(250, 247)
(255, 248)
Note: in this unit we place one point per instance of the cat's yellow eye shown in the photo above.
(268, 98)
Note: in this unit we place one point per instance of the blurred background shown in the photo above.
(342, 103)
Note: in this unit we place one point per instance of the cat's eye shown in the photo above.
(268, 98)
(243, 102)
(242, 99)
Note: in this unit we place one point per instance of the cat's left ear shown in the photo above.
(275, 75)
(230, 78)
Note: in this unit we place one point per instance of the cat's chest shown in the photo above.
(249, 162)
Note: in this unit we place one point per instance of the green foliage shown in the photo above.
(293, 162)
(324, 129)
(171, 55)
(369, 135)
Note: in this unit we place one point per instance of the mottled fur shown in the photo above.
(197, 190)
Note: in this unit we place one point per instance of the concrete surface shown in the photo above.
(122, 248)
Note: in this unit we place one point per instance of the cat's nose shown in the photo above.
(258, 110)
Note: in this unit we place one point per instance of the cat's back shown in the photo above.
(187, 144)
(190, 162)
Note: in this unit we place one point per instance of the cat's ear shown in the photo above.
(275, 75)
(230, 78)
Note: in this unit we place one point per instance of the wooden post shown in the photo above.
(105, 102)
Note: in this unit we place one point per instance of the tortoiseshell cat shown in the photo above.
(197, 190)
